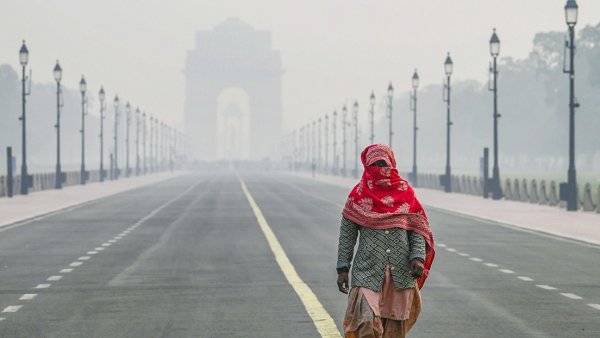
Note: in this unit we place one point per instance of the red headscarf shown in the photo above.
(384, 200)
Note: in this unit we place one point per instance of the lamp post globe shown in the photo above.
(57, 72)
(101, 95)
(23, 55)
(494, 44)
(448, 65)
(82, 85)
(415, 80)
(571, 12)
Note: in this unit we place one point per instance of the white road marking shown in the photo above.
(106, 244)
(491, 265)
(571, 295)
(546, 287)
(441, 245)
(474, 259)
(451, 249)
(595, 306)
(28, 296)
(527, 279)
(99, 248)
(506, 271)
(43, 286)
(75, 264)
(54, 278)
(92, 252)
(12, 308)
(2, 318)
(112, 241)
(463, 254)
(66, 270)
(84, 258)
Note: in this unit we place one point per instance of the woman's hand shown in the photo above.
(342, 282)
(416, 268)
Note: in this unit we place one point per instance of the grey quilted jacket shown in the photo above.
(376, 249)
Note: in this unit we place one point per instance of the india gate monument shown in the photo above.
(233, 103)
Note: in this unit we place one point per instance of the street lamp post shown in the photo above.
(448, 68)
(25, 179)
(344, 123)
(355, 118)
(127, 123)
(372, 117)
(102, 96)
(495, 51)
(151, 143)
(137, 142)
(326, 167)
(144, 144)
(335, 158)
(390, 92)
(319, 145)
(571, 12)
(83, 88)
(58, 78)
(415, 85)
(116, 139)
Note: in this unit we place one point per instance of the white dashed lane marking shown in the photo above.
(441, 245)
(66, 270)
(451, 249)
(84, 258)
(92, 252)
(527, 279)
(463, 254)
(12, 308)
(594, 306)
(491, 265)
(106, 244)
(75, 264)
(571, 295)
(43, 286)
(28, 296)
(54, 278)
(506, 271)
(546, 287)
(475, 259)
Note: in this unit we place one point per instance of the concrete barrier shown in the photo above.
(553, 195)
(543, 193)
(587, 204)
(524, 191)
(508, 192)
(533, 193)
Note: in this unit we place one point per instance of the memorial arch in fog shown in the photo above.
(233, 55)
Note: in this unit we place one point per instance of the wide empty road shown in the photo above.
(188, 258)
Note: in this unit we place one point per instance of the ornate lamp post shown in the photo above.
(390, 92)
(448, 68)
(25, 179)
(58, 78)
(495, 51)
(151, 143)
(335, 157)
(372, 117)
(144, 143)
(355, 118)
(102, 96)
(415, 85)
(116, 139)
(571, 12)
(319, 145)
(83, 89)
(344, 123)
(137, 142)
(326, 167)
(127, 124)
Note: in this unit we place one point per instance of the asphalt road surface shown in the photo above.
(187, 258)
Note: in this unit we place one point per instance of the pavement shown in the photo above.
(579, 226)
(27, 207)
(190, 257)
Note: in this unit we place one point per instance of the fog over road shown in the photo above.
(186, 258)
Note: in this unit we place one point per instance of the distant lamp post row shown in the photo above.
(493, 86)
(26, 181)
(448, 68)
(59, 176)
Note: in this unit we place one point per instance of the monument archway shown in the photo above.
(233, 54)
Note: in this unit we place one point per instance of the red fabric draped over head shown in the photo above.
(383, 200)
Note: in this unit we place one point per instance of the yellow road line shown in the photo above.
(320, 317)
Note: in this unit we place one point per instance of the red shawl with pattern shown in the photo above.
(383, 200)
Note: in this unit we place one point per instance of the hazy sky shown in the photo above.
(332, 50)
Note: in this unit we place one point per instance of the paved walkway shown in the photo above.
(581, 226)
(21, 208)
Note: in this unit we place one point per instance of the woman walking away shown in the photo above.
(394, 253)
